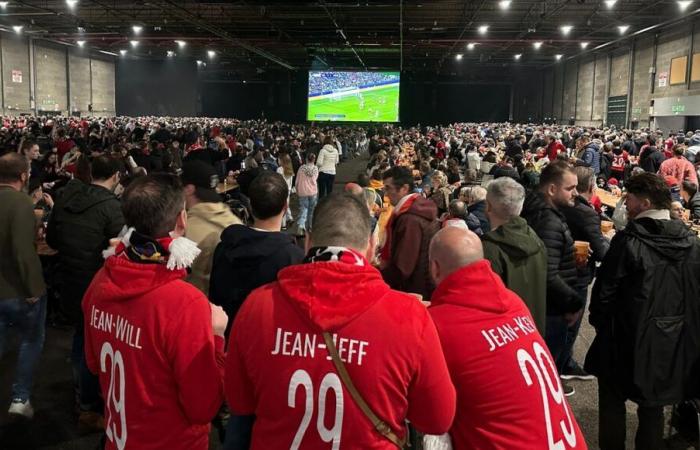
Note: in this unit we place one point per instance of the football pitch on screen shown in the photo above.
(375, 105)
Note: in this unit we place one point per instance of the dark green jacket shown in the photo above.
(20, 268)
(520, 258)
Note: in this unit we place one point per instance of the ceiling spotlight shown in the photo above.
(134, 43)
(504, 4)
(199, 62)
(80, 43)
(584, 45)
(211, 53)
(71, 3)
(683, 4)
(170, 53)
(518, 56)
(470, 46)
(181, 43)
(122, 52)
(537, 45)
(18, 28)
(623, 28)
(483, 29)
(458, 56)
(81, 29)
(610, 3)
(558, 56)
(137, 29)
(3, 5)
(566, 29)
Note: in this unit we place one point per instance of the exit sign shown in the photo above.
(678, 109)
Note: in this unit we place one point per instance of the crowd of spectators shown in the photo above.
(326, 82)
(199, 231)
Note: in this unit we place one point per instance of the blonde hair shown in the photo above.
(440, 177)
(286, 163)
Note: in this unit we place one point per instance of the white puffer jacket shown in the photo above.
(327, 159)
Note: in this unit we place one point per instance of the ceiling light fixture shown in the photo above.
(71, 3)
(80, 43)
(122, 52)
(134, 43)
(211, 53)
(170, 53)
(504, 4)
(566, 29)
(471, 45)
(584, 45)
(610, 3)
(518, 56)
(537, 45)
(459, 56)
(483, 29)
(137, 29)
(683, 4)
(558, 56)
(3, 5)
(181, 43)
(623, 28)
(18, 28)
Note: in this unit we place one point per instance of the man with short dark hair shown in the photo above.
(413, 222)
(542, 211)
(336, 303)
(84, 218)
(154, 340)
(207, 217)
(22, 289)
(249, 257)
(645, 307)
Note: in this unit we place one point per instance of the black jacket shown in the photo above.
(584, 224)
(83, 220)
(645, 308)
(694, 206)
(479, 210)
(651, 159)
(246, 259)
(562, 277)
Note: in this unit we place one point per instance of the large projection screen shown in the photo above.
(353, 96)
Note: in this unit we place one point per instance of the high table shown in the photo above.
(607, 198)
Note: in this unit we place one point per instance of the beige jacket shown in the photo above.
(205, 222)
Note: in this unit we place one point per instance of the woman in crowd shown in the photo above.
(287, 171)
(307, 193)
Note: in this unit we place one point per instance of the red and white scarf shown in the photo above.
(402, 207)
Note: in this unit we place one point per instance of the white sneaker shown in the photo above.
(21, 408)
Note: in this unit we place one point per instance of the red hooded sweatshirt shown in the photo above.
(508, 390)
(278, 367)
(148, 336)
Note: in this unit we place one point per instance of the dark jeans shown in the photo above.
(555, 336)
(612, 421)
(567, 357)
(28, 319)
(238, 432)
(88, 384)
(325, 184)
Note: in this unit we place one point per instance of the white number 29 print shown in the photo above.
(301, 378)
(115, 402)
(547, 374)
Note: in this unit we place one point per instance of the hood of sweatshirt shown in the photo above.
(247, 247)
(78, 197)
(422, 207)
(670, 238)
(217, 214)
(331, 294)
(124, 279)
(516, 239)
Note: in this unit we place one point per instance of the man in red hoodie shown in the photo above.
(413, 222)
(154, 340)
(508, 389)
(279, 366)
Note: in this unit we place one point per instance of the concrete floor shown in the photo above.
(54, 426)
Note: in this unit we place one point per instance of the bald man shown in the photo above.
(499, 363)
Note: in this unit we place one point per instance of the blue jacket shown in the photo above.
(591, 157)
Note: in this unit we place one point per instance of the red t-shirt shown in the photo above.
(278, 367)
(619, 161)
(554, 148)
(508, 390)
(148, 336)
(64, 147)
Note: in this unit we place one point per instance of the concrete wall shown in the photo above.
(40, 76)
(580, 87)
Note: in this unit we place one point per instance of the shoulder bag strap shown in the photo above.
(379, 425)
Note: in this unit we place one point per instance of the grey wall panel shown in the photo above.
(15, 73)
(51, 83)
(103, 85)
(79, 78)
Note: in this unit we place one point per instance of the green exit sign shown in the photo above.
(678, 108)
